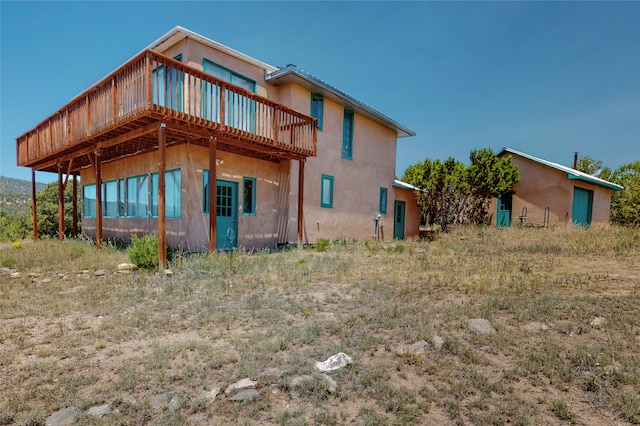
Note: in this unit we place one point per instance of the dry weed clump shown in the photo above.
(564, 302)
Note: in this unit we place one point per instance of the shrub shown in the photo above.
(322, 244)
(143, 251)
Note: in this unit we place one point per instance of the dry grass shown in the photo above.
(69, 338)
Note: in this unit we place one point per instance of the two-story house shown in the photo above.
(190, 126)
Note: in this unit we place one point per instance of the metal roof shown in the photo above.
(572, 174)
(293, 74)
(404, 185)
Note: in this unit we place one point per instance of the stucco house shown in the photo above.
(549, 194)
(189, 126)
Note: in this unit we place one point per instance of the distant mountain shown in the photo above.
(15, 196)
(11, 186)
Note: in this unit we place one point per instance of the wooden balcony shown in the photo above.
(120, 116)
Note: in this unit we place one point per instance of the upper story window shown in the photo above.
(227, 75)
(317, 108)
(347, 135)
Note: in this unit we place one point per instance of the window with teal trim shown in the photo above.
(317, 108)
(138, 196)
(205, 191)
(240, 110)
(121, 198)
(89, 201)
(168, 86)
(248, 196)
(110, 199)
(383, 200)
(347, 135)
(173, 194)
(326, 192)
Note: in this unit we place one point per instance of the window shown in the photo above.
(326, 192)
(121, 198)
(383, 200)
(168, 86)
(138, 196)
(347, 135)
(89, 201)
(110, 199)
(239, 110)
(248, 196)
(317, 108)
(172, 191)
(205, 191)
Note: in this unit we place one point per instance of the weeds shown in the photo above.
(69, 338)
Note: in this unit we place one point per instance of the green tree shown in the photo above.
(452, 193)
(489, 177)
(625, 204)
(47, 205)
(589, 165)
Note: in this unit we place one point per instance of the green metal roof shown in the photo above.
(572, 174)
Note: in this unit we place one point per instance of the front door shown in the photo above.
(398, 222)
(503, 217)
(227, 215)
(582, 206)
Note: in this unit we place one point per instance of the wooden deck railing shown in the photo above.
(154, 85)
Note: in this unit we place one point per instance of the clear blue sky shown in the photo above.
(546, 78)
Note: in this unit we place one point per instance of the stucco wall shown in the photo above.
(191, 230)
(541, 186)
(356, 182)
(412, 214)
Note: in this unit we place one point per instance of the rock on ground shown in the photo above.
(481, 326)
(413, 349)
(62, 417)
(241, 385)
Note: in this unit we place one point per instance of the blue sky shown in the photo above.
(546, 78)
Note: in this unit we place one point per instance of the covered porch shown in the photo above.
(152, 102)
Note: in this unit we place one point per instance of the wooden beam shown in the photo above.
(162, 226)
(66, 179)
(60, 205)
(301, 201)
(34, 207)
(98, 172)
(75, 205)
(213, 201)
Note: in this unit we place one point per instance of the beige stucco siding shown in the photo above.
(542, 186)
(356, 182)
(191, 230)
(412, 214)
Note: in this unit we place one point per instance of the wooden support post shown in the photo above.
(75, 205)
(60, 204)
(98, 172)
(34, 207)
(162, 225)
(213, 201)
(300, 200)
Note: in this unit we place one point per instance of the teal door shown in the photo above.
(398, 222)
(582, 206)
(503, 217)
(226, 215)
